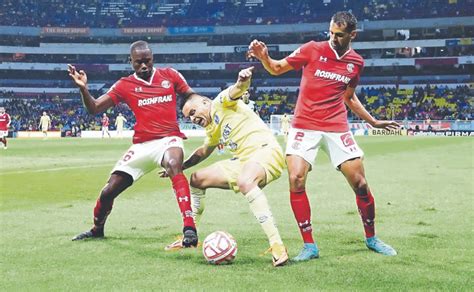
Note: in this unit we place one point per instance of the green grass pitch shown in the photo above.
(423, 189)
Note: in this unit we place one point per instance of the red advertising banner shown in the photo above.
(138, 31)
(61, 31)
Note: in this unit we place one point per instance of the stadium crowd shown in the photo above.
(419, 103)
(127, 13)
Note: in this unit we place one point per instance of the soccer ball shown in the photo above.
(219, 248)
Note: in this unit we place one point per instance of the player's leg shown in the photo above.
(108, 133)
(253, 176)
(298, 169)
(117, 183)
(172, 163)
(354, 172)
(208, 177)
(4, 141)
(103, 131)
(301, 150)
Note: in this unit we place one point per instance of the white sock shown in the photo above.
(261, 210)
(197, 203)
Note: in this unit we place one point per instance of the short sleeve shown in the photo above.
(180, 84)
(354, 81)
(224, 99)
(212, 138)
(114, 92)
(300, 57)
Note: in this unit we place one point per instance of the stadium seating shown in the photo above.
(127, 13)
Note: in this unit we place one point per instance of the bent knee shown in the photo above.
(359, 184)
(297, 181)
(246, 186)
(197, 180)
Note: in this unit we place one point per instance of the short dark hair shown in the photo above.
(139, 45)
(347, 18)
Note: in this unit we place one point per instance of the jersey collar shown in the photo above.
(335, 52)
(146, 82)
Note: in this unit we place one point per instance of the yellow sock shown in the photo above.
(261, 210)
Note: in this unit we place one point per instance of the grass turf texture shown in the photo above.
(423, 189)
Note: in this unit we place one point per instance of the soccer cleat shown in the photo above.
(279, 254)
(176, 245)
(309, 251)
(89, 234)
(377, 245)
(190, 238)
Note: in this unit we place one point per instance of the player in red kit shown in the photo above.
(151, 94)
(105, 125)
(4, 124)
(331, 71)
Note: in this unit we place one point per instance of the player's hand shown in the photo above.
(79, 78)
(257, 49)
(245, 74)
(387, 125)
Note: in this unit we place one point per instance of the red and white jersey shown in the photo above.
(4, 121)
(153, 102)
(105, 121)
(326, 76)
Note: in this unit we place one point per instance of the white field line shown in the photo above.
(57, 168)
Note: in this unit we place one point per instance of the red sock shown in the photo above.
(366, 205)
(183, 196)
(302, 211)
(101, 211)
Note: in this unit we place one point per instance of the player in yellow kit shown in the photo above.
(285, 126)
(257, 157)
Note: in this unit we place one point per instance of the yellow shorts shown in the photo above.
(271, 158)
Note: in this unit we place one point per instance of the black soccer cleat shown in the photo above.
(190, 238)
(89, 234)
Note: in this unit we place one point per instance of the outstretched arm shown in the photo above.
(242, 84)
(92, 105)
(350, 98)
(198, 155)
(259, 50)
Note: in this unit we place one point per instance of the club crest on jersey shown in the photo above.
(138, 89)
(165, 84)
(350, 67)
(296, 145)
(216, 119)
(323, 59)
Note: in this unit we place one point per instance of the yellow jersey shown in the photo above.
(285, 123)
(45, 122)
(236, 126)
